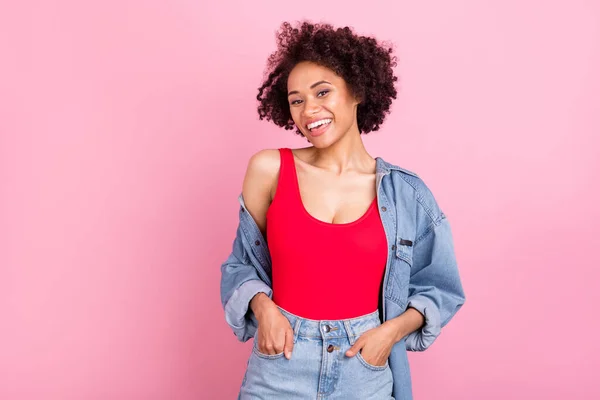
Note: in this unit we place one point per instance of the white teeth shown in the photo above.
(318, 123)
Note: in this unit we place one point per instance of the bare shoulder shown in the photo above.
(264, 163)
(259, 183)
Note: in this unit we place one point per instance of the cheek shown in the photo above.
(332, 103)
(295, 115)
(341, 111)
(339, 107)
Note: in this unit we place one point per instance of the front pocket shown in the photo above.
(370, 366)
(265, 356)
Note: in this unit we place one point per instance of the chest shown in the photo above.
(335, 199)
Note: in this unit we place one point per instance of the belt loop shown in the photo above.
(297, 328)
(349, 332)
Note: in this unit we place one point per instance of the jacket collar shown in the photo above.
(384, 167)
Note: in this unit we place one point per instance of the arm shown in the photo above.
(245, 297)
(240, 282)
(435, 288)
(404, 324)
(259, 185)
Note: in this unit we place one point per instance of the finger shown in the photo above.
(289, 343)
(280, 343)
(262, 347)
(261, 343)
(269, 348)
(355, 348)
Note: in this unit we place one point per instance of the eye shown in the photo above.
(293, 103)
(323, 91)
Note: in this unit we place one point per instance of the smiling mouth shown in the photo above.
(317, 124)
(319, 129)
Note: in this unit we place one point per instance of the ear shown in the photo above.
(358, 99)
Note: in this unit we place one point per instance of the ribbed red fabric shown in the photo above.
(322, 270)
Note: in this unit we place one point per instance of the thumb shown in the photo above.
(355, 348)
(289, 343)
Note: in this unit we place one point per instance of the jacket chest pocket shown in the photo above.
(399, 275)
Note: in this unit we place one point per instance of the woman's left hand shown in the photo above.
(375, 345)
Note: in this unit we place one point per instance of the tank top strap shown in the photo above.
(286, 184)
(287, 156)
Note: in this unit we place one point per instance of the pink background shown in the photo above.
(125, 130)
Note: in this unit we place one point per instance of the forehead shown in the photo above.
(306, 73)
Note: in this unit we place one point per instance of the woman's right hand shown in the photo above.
(274, 334)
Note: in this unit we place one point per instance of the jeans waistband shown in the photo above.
(325, 329)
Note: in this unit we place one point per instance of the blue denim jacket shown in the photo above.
(421, 270)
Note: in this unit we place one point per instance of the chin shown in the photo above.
(322, 142)
(319, 144)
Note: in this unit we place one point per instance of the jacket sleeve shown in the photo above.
(240, 282)
(435, 289)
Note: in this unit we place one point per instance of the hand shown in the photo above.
(375, 345)
(274, 334)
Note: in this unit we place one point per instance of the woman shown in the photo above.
(358, 264)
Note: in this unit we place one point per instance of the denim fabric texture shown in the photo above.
(319, 368)
(421, 270)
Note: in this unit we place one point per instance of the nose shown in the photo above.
(311, 107)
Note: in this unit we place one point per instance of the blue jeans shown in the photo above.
(319, 368)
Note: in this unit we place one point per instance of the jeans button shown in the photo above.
(330, 348)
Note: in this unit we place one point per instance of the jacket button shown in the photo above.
(393, 247)
(383, 209)
(257, 243)
(326, 328)
(330, 348)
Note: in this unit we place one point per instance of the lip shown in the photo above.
(310, 121)
(319, 130)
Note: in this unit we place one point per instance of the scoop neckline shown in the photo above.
(315, 219)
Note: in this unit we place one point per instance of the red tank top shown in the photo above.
(322, 270)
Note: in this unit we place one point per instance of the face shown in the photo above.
(321, 104)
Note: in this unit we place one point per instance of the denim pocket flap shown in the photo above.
(404, 249)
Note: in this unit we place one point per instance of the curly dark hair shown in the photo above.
(363, 63)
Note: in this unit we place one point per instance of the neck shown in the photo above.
(346, 154)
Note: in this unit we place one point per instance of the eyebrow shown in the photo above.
(311, 86)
